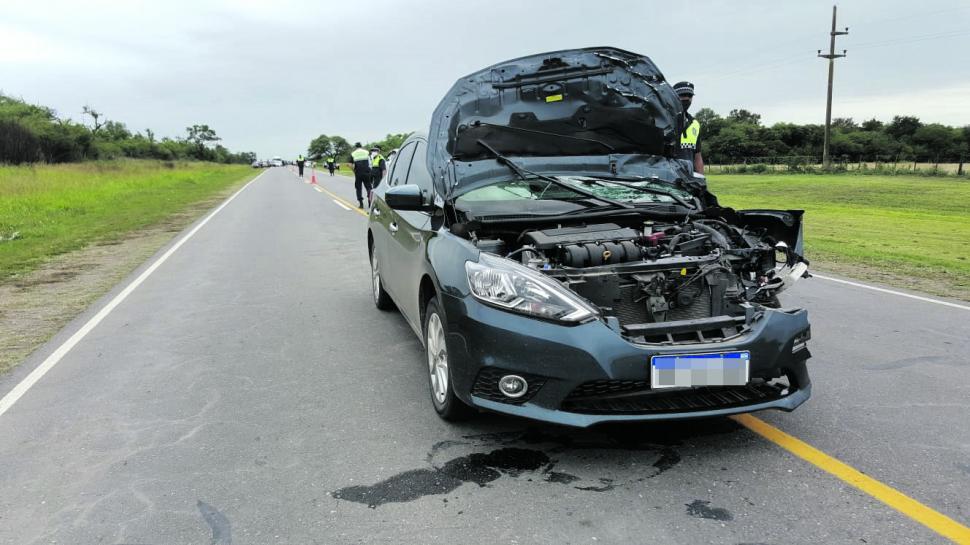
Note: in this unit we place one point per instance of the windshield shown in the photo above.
(532, 189)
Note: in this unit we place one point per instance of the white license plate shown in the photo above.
(684, 370)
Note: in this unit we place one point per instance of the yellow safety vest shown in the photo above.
(688, 139)
(376, 161)
(360, 154)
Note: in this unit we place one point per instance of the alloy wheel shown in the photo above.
(437, 359)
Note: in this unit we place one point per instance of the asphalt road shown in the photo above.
(248, 392)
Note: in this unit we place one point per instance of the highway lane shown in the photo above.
(249, 383)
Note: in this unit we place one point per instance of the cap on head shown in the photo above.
(357, 145)
(376, 148)
(684, 88)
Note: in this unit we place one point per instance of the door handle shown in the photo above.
(393, 227)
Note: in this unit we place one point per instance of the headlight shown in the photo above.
(506, 284)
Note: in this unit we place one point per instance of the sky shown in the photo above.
(270, 76)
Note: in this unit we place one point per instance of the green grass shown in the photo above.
(52, 209)
(902, 226)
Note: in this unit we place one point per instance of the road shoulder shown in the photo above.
(35, 306)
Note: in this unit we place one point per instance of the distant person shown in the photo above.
(361, 173)
(378, 165)
(331, 164)
(690, 140)
(300, 162)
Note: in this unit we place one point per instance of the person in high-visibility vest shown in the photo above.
(361, 173)
(331, 164)
(300, 162)
(690, 139)
(378, 165)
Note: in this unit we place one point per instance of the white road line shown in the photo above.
(340, 204)
(318, 189)
(893, 292)
(20, 389)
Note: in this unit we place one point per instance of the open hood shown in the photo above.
(598, 101)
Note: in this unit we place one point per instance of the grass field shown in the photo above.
(901, 229)
(52, 209)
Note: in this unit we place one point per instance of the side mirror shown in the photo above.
(406, 197)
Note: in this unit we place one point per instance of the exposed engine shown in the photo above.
(663, 272)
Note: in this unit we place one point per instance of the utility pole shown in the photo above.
(826, 159)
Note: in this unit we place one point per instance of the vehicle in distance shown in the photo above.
(560, 263)
(276, 161)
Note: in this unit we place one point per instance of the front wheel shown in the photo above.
(443, 397)
(381, 299)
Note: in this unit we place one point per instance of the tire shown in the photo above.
(381, 299)
(441, 387)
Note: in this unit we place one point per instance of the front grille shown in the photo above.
(606, 387)
(486, 385)
(702, 330)
(635, 397)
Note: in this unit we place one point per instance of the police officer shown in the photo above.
(300, 162)
(690, 139)
(331, 164)
(361, 172)
(378, 164)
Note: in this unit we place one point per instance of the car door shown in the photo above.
(406, 243)
(381, 216)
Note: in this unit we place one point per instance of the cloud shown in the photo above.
(271, 75)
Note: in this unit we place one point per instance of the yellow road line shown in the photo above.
(340, 199)
(934, 520)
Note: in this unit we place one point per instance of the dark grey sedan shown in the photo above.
(560, 263)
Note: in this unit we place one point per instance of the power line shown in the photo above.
(914, 39)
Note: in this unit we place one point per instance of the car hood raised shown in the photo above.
(602, 100)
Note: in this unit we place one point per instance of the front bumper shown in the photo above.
(563, 361)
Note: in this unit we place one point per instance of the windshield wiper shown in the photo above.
(524, 175)
(546, 133)
(653, 190)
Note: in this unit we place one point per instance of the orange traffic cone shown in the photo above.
(313, 177)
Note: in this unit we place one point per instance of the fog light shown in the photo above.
(513, 386)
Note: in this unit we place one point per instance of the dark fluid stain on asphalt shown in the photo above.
(477, 468)
(510, 460)
(221, 530)
(702, 509)
(403, 487)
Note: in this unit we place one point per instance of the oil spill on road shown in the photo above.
(478, 468)
(702, 509)
(585, 461)
(403, 487)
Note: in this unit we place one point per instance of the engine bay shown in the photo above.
(650, 277)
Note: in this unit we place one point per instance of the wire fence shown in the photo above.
(844, 163)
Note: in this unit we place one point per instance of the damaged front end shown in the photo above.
(597, 265)
(699, 280)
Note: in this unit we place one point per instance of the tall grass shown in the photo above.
(47, 210)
